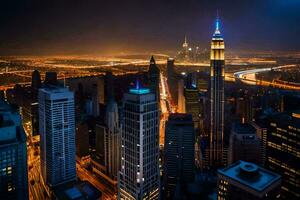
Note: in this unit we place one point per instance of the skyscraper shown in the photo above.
(185, 49)
(181, 98)
(244, 144)
(13, 155)
(35, 82)
(192, 105)
(139, 175)
(217, 75)
(113, 138)
(247, 181)
(153, 78)
(282, 151)
(82, 140)
(172, 80)
(57, 130)
(50, 78)
(179, 157)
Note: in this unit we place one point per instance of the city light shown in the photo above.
(136, 100)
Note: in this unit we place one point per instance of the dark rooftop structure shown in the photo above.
(243, 128)
(77, 191)
(250, 179)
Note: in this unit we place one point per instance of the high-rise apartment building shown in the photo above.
(13, 155)
(139, 175)
(57, 130)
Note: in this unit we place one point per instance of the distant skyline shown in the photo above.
(36, 27)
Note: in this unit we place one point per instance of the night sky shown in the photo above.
(34, 27)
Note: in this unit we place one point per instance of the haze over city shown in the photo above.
(32, 27)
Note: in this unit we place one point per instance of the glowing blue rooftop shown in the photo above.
(138, 89)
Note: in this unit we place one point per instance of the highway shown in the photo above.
(249, 77)
(37, 188)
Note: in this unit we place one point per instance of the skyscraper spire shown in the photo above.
(152, 60)
(137, 84)
(217, 24)
(185, 44)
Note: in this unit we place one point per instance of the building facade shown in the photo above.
(13, 155)
(57, 130)
(283, 151)
(139, 175)
(192, 105)
(113, 140)
(244, 144)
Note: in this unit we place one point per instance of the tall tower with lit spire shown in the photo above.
(185, 48)
(139, 174)
(217, 75)
(185, 45)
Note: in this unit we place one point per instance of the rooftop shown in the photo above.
(138, 89)
(250, 175)
(55, 89)
(77, 191)
(10, 123)
(180, 117)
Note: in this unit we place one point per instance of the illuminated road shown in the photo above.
(249, 77)
(16, 72)
(37, 188)
(167, 106)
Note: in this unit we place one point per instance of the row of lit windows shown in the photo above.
(283, 165)
(285, 148)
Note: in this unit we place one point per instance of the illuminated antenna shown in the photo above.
(217, 31)
(137, 84)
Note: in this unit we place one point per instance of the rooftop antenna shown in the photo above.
(217, 30)
(137, 84)
(217, 22)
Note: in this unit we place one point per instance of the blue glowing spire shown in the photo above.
(137, 84)
(217, 24)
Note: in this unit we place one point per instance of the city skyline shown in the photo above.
(69, 28)
(127, 100)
